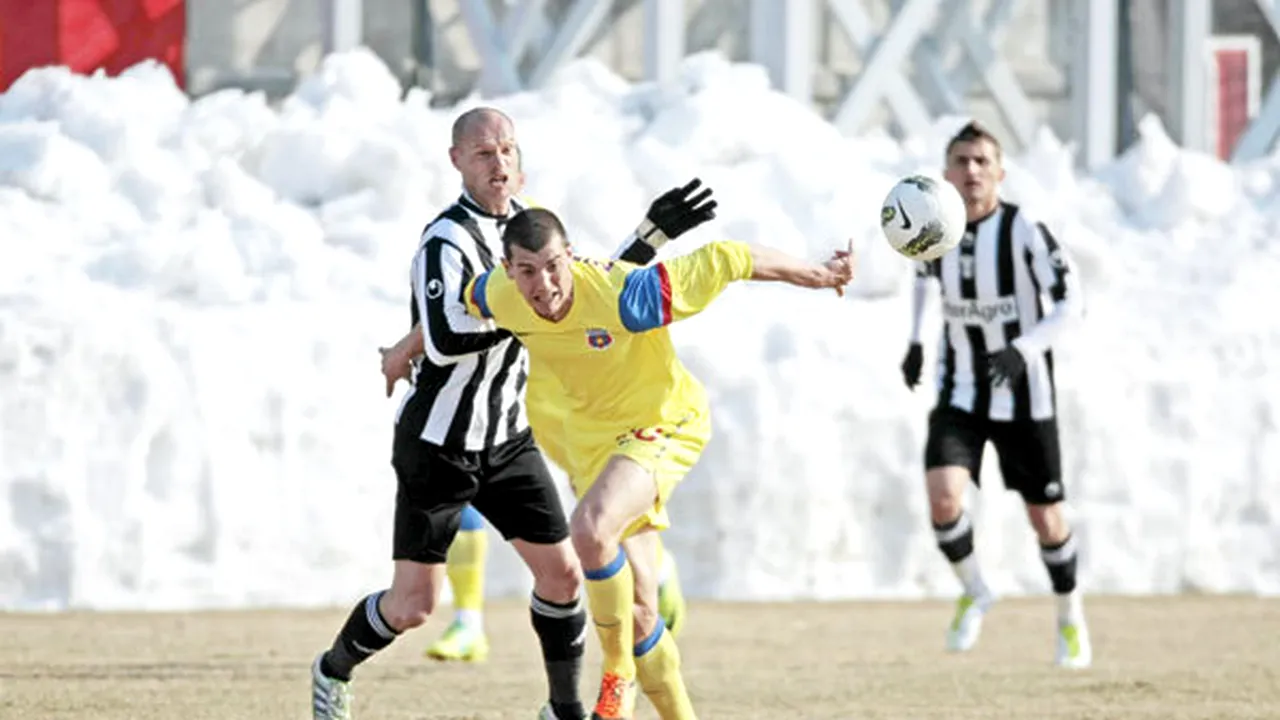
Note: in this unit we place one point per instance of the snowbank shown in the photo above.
(192, 294)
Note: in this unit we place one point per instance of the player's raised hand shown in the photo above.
(679, 210)
(842, 266)
(676, 212)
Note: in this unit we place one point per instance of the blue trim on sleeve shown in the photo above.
(645, 300)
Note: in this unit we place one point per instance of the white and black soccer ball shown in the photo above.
(923, 217)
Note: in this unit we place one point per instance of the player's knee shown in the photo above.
(591, 538)
(944, 509)
(404, 611)
(585, 534)
(1047, 521)
(559, 582)
(946, 495)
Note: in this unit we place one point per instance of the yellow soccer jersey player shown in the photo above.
(635, 419)
(625, 392)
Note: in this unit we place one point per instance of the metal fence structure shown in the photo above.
(1088, 69)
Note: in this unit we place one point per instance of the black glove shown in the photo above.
(911, 365)
(674, 213)
(1007, 365)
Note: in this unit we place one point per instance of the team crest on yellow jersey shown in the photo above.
(599, 338)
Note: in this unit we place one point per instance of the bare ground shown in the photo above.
(1168, 658)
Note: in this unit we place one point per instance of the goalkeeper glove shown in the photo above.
(671, 215)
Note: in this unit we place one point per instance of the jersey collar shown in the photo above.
(468, 202)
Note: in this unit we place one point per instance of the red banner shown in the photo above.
(87, 35)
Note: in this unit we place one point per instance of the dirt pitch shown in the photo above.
(1168, 658)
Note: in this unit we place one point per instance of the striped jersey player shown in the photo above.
(994, 288)
(1008, 292)
(460, 438)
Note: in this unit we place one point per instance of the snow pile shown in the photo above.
(193, 293)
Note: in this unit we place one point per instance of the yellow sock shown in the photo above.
(658, 669)
(611, 597)
(466, 569)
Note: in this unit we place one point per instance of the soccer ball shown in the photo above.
(923, 217)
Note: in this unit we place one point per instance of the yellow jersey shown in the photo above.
(612, 355)
(545, 408)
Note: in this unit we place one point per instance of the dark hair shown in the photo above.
(531, 230)
(973, 132)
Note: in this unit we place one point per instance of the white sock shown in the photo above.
(470, 619)
(1070, 608)
(971, 576)
(958, 538)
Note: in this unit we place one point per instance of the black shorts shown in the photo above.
(1030, 460)
(509, 484)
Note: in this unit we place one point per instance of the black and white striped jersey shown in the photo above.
(994, 287)
(468, 389)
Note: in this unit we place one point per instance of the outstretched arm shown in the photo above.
(681, 287)
(769, 264)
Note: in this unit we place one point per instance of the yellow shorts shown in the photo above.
(668, 450)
